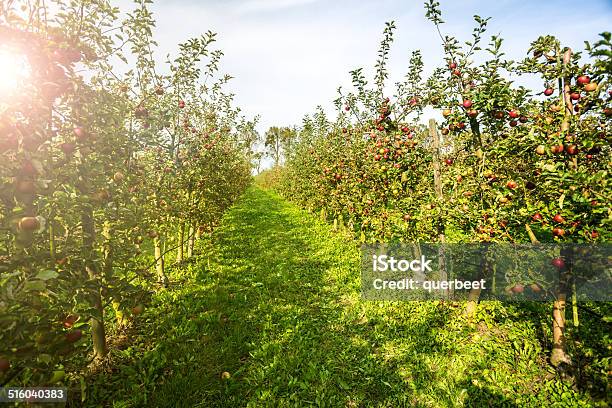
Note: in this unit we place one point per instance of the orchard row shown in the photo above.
(108, 174)
(507, 164)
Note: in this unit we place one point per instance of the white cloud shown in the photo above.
(288, 56)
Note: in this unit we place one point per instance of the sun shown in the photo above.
(13, 72)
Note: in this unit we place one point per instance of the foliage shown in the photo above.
(100, 166)
(508, 164)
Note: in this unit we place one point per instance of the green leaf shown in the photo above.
(44, 358)
(47, 274)
(35, 285)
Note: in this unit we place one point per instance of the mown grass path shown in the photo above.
(274, 300)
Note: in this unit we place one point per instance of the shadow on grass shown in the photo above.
(274, 301)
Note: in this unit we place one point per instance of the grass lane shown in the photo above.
(274, 300)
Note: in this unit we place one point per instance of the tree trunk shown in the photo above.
(159, 261)
(52, 252)
(98, 332)
(118, 314)
(559, 354)
(181, 243)
(474, 294)
(433, 132)
(191, 243)
(108, 269)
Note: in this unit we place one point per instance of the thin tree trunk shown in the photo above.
(474, 294)
(575, 304)
(159, 263)
(433, 132)
(98, 332)
(191, 243)
(52, 253)
(181, 243)
(118, 314)
(559, 354)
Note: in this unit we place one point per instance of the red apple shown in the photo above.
(557, 148)
(537, 217)
(572, 149)
(558, 263)
(452, 65)
(558, 232)
(535, 287)
(512, 184)
(28, 169)
(74, 336)
(118, 177)
(29, 224)
(70, 320)
(68, 148)
(583, 79)
(514, 114)
(467, 104)
(80, 133)
(575, 96)
(518, 288)
(5, 365)
(558, 218)
(548, 91)
(138, 309)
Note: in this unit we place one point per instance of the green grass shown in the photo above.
(274, 299)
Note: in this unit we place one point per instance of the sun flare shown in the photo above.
(13, 72)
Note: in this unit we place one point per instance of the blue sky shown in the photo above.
(287, 56)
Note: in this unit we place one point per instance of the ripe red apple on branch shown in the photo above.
(5, 365)
(74, 336)
(583, 79)
(558, 263)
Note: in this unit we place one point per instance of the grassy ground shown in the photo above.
(274, 300)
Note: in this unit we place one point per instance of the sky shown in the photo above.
(288, 56)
